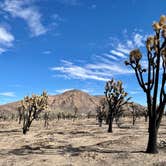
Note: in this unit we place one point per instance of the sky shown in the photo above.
(58, 45)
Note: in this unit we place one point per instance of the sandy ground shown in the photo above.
(78, 143)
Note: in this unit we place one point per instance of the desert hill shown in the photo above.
(67, 102)
(72, 99)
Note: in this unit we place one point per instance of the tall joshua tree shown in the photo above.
(31, 107)
(115, 97)
(155, 76)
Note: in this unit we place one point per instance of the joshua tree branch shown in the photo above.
(139, 80)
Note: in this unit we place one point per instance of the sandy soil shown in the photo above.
(79, 143)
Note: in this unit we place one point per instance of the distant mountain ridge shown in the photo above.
(67, 102)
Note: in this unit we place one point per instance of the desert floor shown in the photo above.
(78, 143)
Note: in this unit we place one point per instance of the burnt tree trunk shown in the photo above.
(110, 123)
(146, 118)
(110, 126)
(152, 140)
(134, 119)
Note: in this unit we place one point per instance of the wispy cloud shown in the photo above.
(6, 39)
(47, 52)
(8, 94)
(138, 40)
(25, 10)
(123, 47)
(96, 71)
(110, 56)
(117, 53)
(105, 65)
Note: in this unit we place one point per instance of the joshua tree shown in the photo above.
(46, 119)
(31, 108)
(75, 113)
(156, 78)
(100, 115)
(20, 114)
(135, 113)
(89, 114)
(115, 97)
(145, 114)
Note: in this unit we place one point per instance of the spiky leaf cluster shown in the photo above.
(115, 95)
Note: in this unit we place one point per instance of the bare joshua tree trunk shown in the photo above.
(110, 124)
(152, 140)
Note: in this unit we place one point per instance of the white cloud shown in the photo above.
(130, 44)
(117, 53)
(110, 56)
(23, 9)
(122, 48)
(96, 71)
(106, 65)
(138, 39)
(78, 72)
(2, 50)
(6, 39)
(8, 94)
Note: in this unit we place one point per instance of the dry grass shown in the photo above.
(79, 143)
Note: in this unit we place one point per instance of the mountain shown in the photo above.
(68, 102)
(72, 99)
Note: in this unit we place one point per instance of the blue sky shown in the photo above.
(71, 44)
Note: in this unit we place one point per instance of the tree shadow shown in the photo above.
(10, 131)
(81, 133)
(64, 149)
